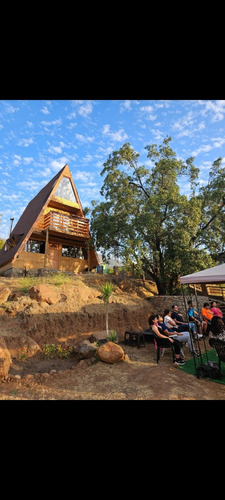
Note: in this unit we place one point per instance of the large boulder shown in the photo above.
(86, 349)
(5, 358)
(99, 337)
(15, 341)
(110, 353)
(4, 295)
(44, 293)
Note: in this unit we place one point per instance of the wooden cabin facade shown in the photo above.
(52, 233)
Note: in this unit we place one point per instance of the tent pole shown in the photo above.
(202, 334)
(189, 328)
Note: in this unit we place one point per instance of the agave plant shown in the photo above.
(107, 291)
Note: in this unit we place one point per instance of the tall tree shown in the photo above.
(145, 220)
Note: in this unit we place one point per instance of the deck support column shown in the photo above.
(89, 259)
(46, 247)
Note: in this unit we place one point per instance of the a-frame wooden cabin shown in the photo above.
(51, 233)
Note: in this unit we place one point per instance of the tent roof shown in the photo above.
(212, 275)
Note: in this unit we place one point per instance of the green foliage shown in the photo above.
(146, 222)
(107, 291)
(22, 356)
(26, 282)
(113, 337)
(52, 350)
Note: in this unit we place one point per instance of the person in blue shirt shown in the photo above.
(194, 316)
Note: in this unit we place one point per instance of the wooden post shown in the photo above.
(46, 248)
(89, 259)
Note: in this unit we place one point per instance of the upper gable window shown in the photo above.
(65, 190)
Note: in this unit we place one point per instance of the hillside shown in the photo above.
(76, 312)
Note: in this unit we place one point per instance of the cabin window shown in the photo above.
(65, 190)
(76, 253)
(35, 246)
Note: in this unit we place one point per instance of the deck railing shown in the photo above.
(72, 224)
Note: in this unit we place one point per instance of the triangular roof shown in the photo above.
(24, 227)
(214, 274)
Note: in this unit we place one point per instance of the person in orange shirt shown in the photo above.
(207, 314)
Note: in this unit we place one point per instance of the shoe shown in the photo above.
(198, 336)
(179, 361)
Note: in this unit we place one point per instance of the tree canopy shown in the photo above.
(149, 224)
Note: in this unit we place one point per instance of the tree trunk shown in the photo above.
(107, 319)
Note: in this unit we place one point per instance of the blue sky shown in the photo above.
(38, 137)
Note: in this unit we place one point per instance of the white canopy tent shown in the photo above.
(212, 275)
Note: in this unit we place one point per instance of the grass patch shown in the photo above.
(25, 283)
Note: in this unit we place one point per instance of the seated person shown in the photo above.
(180, 320)
(169, 322)
(217, 328)
(206, 313)
(215, 310)
(181, 336)
(164, 340)
(172, 323)
(194, 316)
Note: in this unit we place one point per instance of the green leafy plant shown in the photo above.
(107, 291)
(49, 350)
(52, 350)
(23, 354)
(113, 336)
(63, 352)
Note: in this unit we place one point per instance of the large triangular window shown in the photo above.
(65, 190)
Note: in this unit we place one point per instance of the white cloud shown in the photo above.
(83, 138)
(158, 134)
(54, 122)
(187, 126)
(202, 149)
(71, 115)
(218, 142)
(58, 164)
(85, 109)
(215, 108)
(83, 176)
(25, 142)
(9, 108)
(17, 160)
(45, 110)
(147, 112)
(125, 106)
(55, 150)
(27, 160)
(119, 136)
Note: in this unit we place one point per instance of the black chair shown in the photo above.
(161, 344)
(219, 346)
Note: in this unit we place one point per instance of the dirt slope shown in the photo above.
(78, 314)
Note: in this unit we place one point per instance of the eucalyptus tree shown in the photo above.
(146, 221)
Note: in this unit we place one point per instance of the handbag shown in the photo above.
(208, 370)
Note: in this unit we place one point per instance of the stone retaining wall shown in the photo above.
(161, 302)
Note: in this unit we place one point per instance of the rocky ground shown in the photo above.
(73, 318)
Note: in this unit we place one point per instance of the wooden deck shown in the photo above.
(74, 225)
